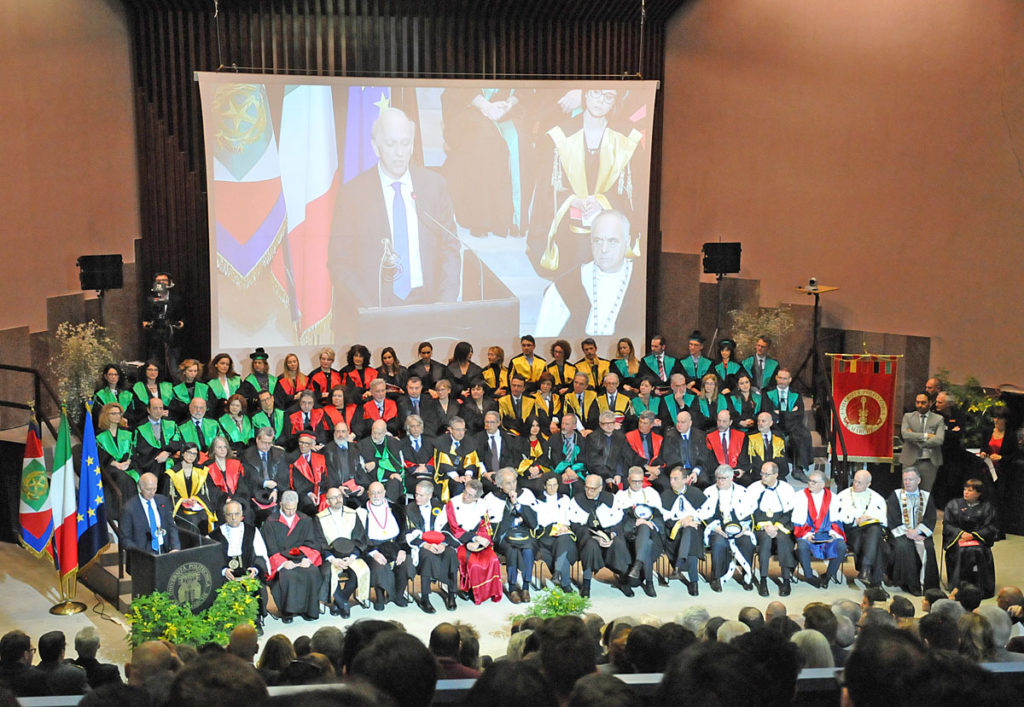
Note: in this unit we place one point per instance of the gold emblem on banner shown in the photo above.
(35, 486)
(863, 411)
(243, 114)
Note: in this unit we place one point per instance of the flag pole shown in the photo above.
(66, 582)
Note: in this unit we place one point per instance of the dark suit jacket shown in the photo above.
(277, 470)
(430, 411)
(473, 417)
(431, 374)
(672, 450)
(608, 461)
(360, 224)
(134, 528)
(508, 455)
(333, 455)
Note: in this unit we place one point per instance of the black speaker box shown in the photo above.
(101, 272)
(721, 258)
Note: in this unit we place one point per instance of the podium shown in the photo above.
(191, 575)
(488, 310)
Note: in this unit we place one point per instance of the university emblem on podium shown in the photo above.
(863, 411)
(190, 584)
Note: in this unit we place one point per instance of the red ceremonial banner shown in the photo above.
(864, 387)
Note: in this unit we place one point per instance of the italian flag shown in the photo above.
(64, 501)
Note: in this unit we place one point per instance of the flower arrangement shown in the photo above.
(157, 617)
(80, 350)
(555, 602)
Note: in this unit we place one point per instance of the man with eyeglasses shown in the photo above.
(431, 546)
(863, 514)
(16, 669)
(684, 537)
(245, 552)
(608, 452)
(772, 502)
(340, 530)
(642, 526)
(729, 533)
(819, 531)
(597, 524)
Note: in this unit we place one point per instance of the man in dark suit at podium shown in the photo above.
(393, 238)
(147, 523)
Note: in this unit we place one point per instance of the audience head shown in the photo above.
(969, 596)
(693, 619)
(752, 617)
(512, 683)
(565, 652)
(444, 641)
(846, 631)
(1009, 596)
(884, 668)
(784, 626)
(599, 690)
(51, 646)
(329, 641)
(814, 649)
(930, 597)
(873, 595)
(730, 630)
(775, 608)
(939, 632)
(976, 640)
(950, 609)
(148, 659)
(711, 673)
(244, 642)
(848, 608)
(819, 617)
(877, 617)
(358, 636)
(400, 665)
(277, 653)
(87, 642)
(217, 679)
(901, 608)
(644, 651)
(999, 621)
(775, 656)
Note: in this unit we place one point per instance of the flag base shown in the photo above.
(67, 608)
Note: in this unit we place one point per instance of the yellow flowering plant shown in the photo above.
(157, 617)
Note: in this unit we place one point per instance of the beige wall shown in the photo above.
(69, 183)
(877, 145)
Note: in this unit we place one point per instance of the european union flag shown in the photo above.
(92, 518)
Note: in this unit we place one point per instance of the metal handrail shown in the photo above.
(38, 385)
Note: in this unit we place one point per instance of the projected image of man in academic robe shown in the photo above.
(393, 240)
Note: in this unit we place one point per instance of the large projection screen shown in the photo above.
(387, 212)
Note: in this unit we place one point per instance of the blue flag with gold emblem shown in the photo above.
(92, 518)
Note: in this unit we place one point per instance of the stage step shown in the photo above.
(101, 577)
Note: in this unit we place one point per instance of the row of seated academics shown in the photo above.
(372, 514)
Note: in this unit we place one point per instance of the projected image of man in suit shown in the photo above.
(393, 236)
